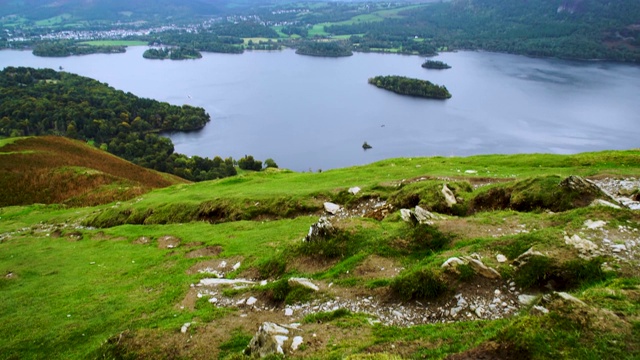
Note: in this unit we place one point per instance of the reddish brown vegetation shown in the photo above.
(52, 170)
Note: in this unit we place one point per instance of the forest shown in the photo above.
(45, 102)
(413, 87)
(326, 48)
(435, 64)
(178, 53)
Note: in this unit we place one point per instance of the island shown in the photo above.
(324, 48)
(435, 64)
(68, 48)
(179, 53)
(413, 87)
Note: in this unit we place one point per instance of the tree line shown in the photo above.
(46, 102)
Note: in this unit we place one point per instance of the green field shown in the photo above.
(57, 20)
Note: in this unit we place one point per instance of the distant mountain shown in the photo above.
(57, 170)
(112, 9)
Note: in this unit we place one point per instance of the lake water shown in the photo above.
(315, 113)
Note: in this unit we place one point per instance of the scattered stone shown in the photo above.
(185, 328)
(288, 312)
(471, 171)
(449, 197)
(304, 283)
(213, 300)
(142, 240)
(501, 258)
(168, 242)
(251, 301)
(618, 248)
(580, 244)
(332, 208)
(320, 230)
(236, 266)
(354, 190)
(592, 225)
(240, 302)
(214, 282)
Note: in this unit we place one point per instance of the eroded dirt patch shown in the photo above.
(492, 351)
(377, 267)
(204, 252)
(168, 242)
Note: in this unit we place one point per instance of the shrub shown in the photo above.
(419, 284)
(273, 267)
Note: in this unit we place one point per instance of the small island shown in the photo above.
(413, 87)
(324, 48)
(179, 53)
(366, 146)
(435, 64)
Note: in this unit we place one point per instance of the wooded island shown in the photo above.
(408, 86)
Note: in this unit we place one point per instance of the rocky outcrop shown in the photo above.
(272, 339)
(449, 196)
(476, 265)
(418, 216)
(306, 283)
(320, 230)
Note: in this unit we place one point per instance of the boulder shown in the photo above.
(525, 256)
(320, 230)
(269, 339)
(600, 202)
(332, 208)
(452, 263)
(501, 258)
(406, 215)
(449, 197)
(483, 270)
(304, 283)
(423, 216)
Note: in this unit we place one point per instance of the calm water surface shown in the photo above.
(315, 113)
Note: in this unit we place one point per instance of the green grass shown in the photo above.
(56, 20)
(115, 43)
(108, 284)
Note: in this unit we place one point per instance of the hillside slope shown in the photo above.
(483, 257)
(53, 170)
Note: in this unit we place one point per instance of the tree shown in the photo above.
(270, 163)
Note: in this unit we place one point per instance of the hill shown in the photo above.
(57, 170)
(458, 258)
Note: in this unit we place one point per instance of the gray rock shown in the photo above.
(525, 256)
(297, 341)
(185, 328)
(423, 216)
(592, 225)
(501, 258)
(580, 244)
(449, 197)
(526, 299)
(320, 230)
(452, 263)
(600, 202)
(304, 283)
(332, 208)
(538, 310)
(570, 298)
(483, 270)
(406, 215)
(269, 339)
(354, 190)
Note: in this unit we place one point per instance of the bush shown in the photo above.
(541, 271)
(426, 237)
(273, 267)
(419, 284)
(340, 244)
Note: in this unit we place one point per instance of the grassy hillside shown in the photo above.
(57, 170)
(126, 287)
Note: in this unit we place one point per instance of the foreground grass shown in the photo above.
(68, 289)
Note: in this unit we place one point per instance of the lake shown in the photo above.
(310, 113)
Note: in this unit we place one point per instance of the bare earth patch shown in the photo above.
(377, 267)
(204, 252)
(168, 242)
